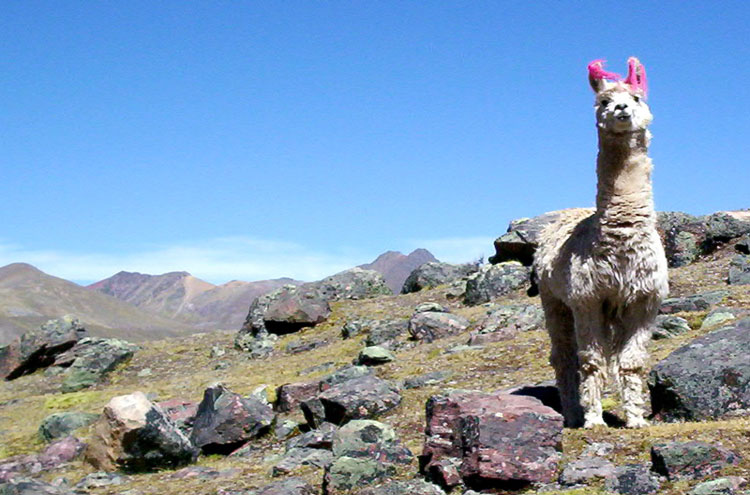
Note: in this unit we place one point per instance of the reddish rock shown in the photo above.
(54, 456)
(180, 412)
(290, 395)
(497, 440)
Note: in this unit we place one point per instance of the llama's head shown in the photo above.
(620, 102)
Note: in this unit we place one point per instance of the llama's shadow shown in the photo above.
(548, 394)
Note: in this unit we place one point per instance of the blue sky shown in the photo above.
(252, 140)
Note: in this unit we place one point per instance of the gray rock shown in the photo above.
(522, 239)
(430, 306)
(225, 420)
(667, 326)
(385, 331)
(430, 325)
(427, 379)
(697, 302)
(505, 322)
(355, 283)
(353, 328)
(374, 356)
(493, 281)
(411, 487)
(40, 348)
(302, 456)
(28, 486)
(290, 395)
(346, 473)
(257, 347)
(298, 346)
(287, 486)
(344, 374)
(432, 274)
(586, 469)
(286, 429)
(295, 309)
(634, 479)
(719, 317)
(690, 460)
(59, 425)
(320, 438)
(99, 479)
(359, 398)
(722, 486)
(743, 245)
(705, 379)
(739, 270)
(91, 360)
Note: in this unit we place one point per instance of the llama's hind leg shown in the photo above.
(591, 340)
(630, 343)
(564, 359)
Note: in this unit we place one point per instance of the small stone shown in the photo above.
(717, 317)
(668, 326)
(145, 372)
(429, 326)
(634, 479)
(412, 487)
(430, 306)
(586, 469)
(427, 379)
(721, 486)
(286, 429)
(302, 456)
(217, 352)
(739, 270)
(100, 479)
(374, 356)
(287, 486)
(697, 302)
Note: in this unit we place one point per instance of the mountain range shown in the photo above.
(140, 306)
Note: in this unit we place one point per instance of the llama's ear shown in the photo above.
(598, 76)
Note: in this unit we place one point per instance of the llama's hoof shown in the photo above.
(593, 423)
(636, 423)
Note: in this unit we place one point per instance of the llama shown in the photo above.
(602, 273)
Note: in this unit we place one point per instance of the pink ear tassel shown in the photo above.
(596, 71)
(636, 76)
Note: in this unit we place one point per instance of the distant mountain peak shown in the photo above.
(395, 266)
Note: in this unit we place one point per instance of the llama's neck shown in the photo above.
(624, 196)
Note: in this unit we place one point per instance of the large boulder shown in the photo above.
(739, 270)
(493, 281)
(491, 440)
(428, 326)
(505, 322)
(181, 413)
(91, 360)
(706, 379)
(295, 310)
(355, 283)
(522, 239)
(690, 460)
(39, 348)
(225, 420)
(359, 398)
(364, 452)
(436, 273)
(696, 302)
(135, 435)
(290, 395)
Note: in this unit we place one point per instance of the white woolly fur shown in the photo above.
(602, 273)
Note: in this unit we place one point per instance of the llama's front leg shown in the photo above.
(631, 359)
(593, 365)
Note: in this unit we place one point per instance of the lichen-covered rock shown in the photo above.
(697, 302)
(431, 325)
(411, 487)
(739, 270)
(181, 413)
(722, 486)
(668, 326)
(493, 281)
(91, 360)
(586, 469)
(690, 460)
(505, 322)
(364, 452)
(355, 283)
(134, 434)
(427, 379)
(28, 486)
(59, 425)
(302, 456)
(384, 331)
(287, 486)
(39, 348)
(360, 398)
(497, 440)
(706, 379)
(374, 356)
(319, 438)
(226, 420)
(436, 273)
(719, 317)
(634, 479)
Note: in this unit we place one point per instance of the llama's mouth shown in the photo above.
(623, 117)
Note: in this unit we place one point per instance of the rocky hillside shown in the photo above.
(29, 297)
(396, 267)
(187, 299)
(451, 391)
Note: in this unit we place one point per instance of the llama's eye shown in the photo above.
(605, 102)
(636, 98)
